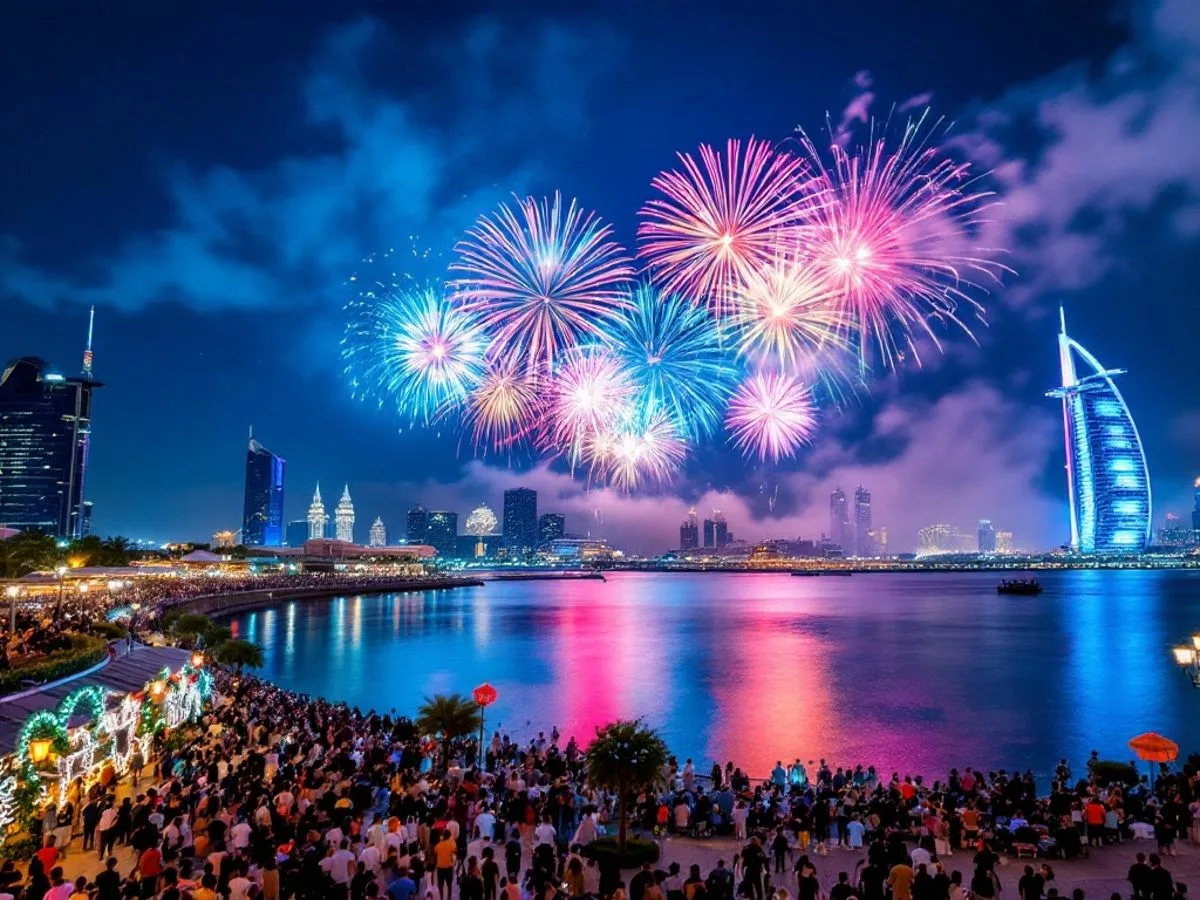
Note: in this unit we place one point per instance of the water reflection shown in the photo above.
(909, 672)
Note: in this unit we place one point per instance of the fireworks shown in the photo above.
(673, 350)
(894, 239)
(772, 281)
(541, 278)
(502, 407)
(413, 347)
(645, 447)
(586, 397)
(770, 416)
(722, 217)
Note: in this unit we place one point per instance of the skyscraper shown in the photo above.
(551, 527)
(1004, 542)
(862, 522)
(689, 531)
(317, 519)
(720, 530)
(45, 435)
(520, 521)
(442, 533)
(343, 517)
(417, 524)
(986, 535)
(710, 533)
(262, 511)
(1196, 508)
(839, 521)
(1108, 482)
(378, 535)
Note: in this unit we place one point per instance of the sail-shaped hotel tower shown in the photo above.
(1107, 477)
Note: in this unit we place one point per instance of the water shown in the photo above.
(909, 672)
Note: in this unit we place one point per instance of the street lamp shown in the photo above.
(484, 695)
(13, 592)
(1187, 657)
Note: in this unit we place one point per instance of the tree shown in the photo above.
(449, 718)
(240, 654)
(117, 551)
(27, 552)
(190, 626)
(624, 757)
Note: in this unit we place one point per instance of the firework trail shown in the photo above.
(721, 217)
(542, 277)
(412, 347)
(770, 416)
(673, 350)
(502, 408)
(895, 236)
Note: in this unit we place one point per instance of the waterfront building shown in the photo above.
(986, 536)
(481, 523)
(710, 533)
(45, 438)
(1196, 507)
(1004, 542)
(862, 523)
(721, 536)
(378, 533)
(551, 526)
(297, 532)
(262, 509)
(441, 533)
(317, 518)
(1108, 481)
(417, 530)
(343, 517)
(1176, 535)
(935, 540)
(580, 549)
(520, 521)
(839, 521)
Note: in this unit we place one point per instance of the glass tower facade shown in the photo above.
(520, 521)
(1108, 482)
(45, 435)
(442, 533)
(262, 511)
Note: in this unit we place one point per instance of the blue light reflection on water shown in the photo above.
(910, 672)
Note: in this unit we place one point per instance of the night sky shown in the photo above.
(210, 181)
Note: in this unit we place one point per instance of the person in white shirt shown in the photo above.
(486, 823)
(920, 856)
(339, 864)
(239, 884)
(333, 837)
(239, 835)
(544, 833)
(370, 858)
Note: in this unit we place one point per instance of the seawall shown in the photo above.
(218, 605)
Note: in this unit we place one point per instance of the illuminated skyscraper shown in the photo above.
(343, 517)
(418, 525)
(442, 533)
(986, 535)
(551, 527)
(317, 519)
(862, 522)
(262, 510)
(689, 531)
(1196, 508)
(839, 521)
(1004, 542)
(520, 521)
(1108, 482)
(720, 530)
(378, 536)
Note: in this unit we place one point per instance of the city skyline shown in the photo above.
(217, 279)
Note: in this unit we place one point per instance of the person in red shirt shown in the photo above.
(149, 867)
(48, 854)
(1093, 813)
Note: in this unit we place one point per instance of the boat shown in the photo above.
(1019, 586)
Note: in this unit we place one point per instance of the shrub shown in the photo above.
(637, 852)
(110, 630)
(83, 653)
(1109, 771)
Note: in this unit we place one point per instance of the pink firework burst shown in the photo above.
(721, 217)
(541, 276)
(502, 408)
(587, 396)
(771, 416)
(895, 238)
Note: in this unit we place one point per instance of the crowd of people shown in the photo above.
(275, 795)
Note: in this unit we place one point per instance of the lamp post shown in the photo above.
(485, 695)
(1187, 657)
(83, 588)
(13, 591)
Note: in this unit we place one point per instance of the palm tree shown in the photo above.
(448, 717)
(240, 654)
(624, 757)
(118, 551)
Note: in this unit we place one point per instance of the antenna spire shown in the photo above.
(1062, 320)
(87, 353)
